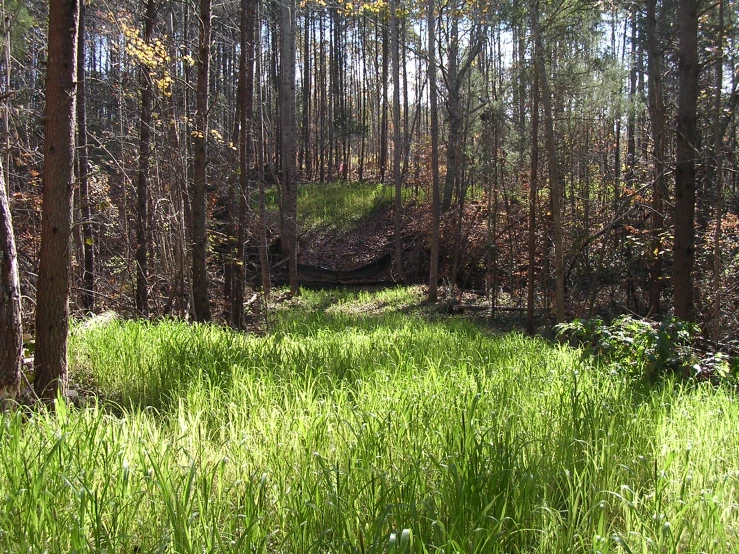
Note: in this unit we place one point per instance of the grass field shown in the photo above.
(357, 425)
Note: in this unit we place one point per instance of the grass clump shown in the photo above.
(359, 426)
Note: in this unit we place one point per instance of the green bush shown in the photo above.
(647, 348)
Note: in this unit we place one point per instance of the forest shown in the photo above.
(382, 276)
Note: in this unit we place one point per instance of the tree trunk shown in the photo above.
(7, 47)
(289, 136)
(263, 249)
(533, 185)
(631, 125)
(306, 157)
(177, 166)
(201, 304)
(454, 78)
(11, 328)
(687, 134)
(384, 107)
(246, 91)
(553, 164)
(453, 91)
(142, 178)
(88, 245)
(397, 144)
(436, 200)
(52, 315)
(719, 158)
(657, 115)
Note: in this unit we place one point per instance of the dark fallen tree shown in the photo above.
(374, 272)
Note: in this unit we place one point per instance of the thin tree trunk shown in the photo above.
(553, 164)
(322, 101)
(52, 300)
(7, 46)
(142, 178)
(436, 200)
(182, 289)
(687, 134)
(397, 144)
(533, 185)
(11, 327)
(718, 152)
(246, 95)
(363, 99)
(631, 125)
(454, 78)
(88, 246)
(657, 115)
(453, 91)
(289, 135)
(263, 251)
(306, 158)
(201, 303)
(384, 107)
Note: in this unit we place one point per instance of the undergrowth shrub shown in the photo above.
(647, 348)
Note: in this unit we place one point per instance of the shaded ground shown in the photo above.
(346, 250)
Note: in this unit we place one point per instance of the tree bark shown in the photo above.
(455, 74)
(719, 170)
(142, 177)
(246, 90)
(7, 47)
(533, 185)
(289, 136)
(52, 315)
(88, 245)
(305, 144)
(631, 124)
(383, 107)
(657, 115)
(397, 144)
(11, 327)
(553, 164)
(263, 248)
(455, 122)
(436, 200)
(687, 134)
(201, 303)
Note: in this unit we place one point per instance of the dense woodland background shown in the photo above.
(556, 138)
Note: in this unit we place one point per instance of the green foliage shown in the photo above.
(358, 425)
(18, 21)
(646, 348)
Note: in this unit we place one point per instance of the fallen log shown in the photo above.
(366, 274)
(457, 307)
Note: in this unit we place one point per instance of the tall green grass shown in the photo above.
(357, 425)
